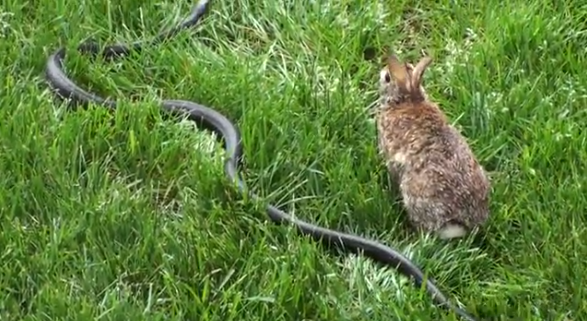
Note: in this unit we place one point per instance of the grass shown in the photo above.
(126, 216)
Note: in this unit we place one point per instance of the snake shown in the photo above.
(228, 134)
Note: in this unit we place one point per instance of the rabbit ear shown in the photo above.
(398, 71)
(419, 71)
(410, 67)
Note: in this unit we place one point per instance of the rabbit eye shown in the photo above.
(387, 77)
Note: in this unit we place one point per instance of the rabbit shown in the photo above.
(444, 188)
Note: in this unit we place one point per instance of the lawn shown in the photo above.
(127, 216)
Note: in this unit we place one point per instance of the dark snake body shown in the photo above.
(209, 119)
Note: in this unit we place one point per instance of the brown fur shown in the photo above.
(441, 182)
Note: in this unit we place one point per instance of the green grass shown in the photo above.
(125, 216)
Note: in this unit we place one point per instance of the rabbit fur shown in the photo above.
(443, 187)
